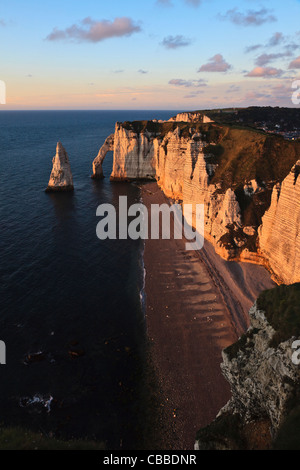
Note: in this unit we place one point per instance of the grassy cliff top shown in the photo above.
(242, 153)
(285, 119)
(282, 308)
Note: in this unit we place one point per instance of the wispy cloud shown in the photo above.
(195, 94)
(187, 83)
(165, 3)
(95, 31)
(250, 18)
(193, 3)
(215, 64)
(2, 22)
(233, 89)
(265, 59)
(143, 72)
(257, 96)
(291, 47)
(168, 3)
(295, 64)
(265, 72)
(276, 39)
(253, 48)
(174, 42)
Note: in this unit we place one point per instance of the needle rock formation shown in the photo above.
(61, 178)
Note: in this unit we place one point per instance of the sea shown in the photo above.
(71, 306)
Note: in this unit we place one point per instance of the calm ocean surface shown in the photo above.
(63, 292)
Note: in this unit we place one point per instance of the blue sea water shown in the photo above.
(63, 293)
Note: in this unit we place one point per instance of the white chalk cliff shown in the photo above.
(133, 154)
(183, 168)
(182, 171)
(279, 234)
(61, 178)
(191, 117)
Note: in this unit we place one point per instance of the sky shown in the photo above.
(157, 54)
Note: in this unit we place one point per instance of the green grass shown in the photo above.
(16, 438)
(282, 308)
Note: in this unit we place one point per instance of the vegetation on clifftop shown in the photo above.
(282, 309)
(287, 119)
(242, 153)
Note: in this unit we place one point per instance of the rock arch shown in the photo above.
(97, 163)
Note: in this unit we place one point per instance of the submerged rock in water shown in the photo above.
(61, 178)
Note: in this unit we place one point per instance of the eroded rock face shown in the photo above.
(97, 163)
(279, 234)
(184, 169)
(264, 383)
(263, 379)
(133, 155)
(61, 178)
(191, 117)
(183, 172)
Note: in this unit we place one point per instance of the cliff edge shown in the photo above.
(242, 176)
(264, 379)
(279, 236)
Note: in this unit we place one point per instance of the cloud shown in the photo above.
(233, 89)
(291, 47)
(143, 72)
(215, 64)
(276, 39)
(118, 71)
(251, 18)
(95, 31)
(255, 95)
(187, 83)
(253, 48)
(265, 72)
(195, 94)
(168, 3)
(265, 59)
(295, 64)
(2, 22)
(165, 3)
(174, 42)
(193, 3)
